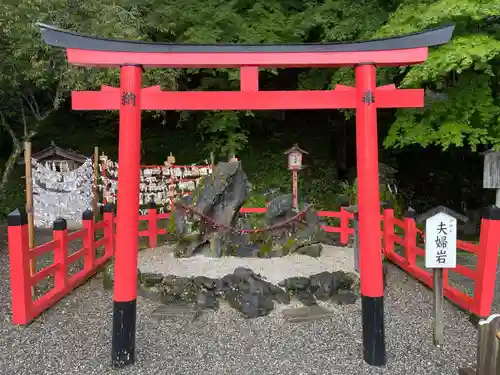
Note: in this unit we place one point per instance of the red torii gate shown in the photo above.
(131, 98)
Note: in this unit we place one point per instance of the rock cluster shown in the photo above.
(209, 221)
(248, 292)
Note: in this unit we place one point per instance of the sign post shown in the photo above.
(491, 173)
(440, 253)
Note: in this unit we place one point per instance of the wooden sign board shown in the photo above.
(441, 241)
(491, 170)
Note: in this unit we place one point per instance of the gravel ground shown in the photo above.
(74, 338)
(162, 260)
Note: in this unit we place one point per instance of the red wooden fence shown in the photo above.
(25, 308)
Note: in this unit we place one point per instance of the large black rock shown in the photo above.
(247, 292)
(213, 208)
(292, 234)
(209, 221)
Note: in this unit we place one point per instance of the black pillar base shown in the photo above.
(123, 342)
(373, 330)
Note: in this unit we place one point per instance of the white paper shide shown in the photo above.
(63, 193)
(441, 241)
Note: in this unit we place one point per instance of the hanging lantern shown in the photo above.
(295, 157)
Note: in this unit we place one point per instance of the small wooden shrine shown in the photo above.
(55, 157)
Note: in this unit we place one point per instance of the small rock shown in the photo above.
(311, 250)
(323, 285)
(247, 251)
(151, 279)
(295, 283)
(203, 282)
(346, 297)
(280, 295)
(307, 313)
(346, 280)
(306, 298)
(178, 289)
(151, 293)
(207, 300)
(243, 273)
(172, 311)
(250, 305)
(278, 208)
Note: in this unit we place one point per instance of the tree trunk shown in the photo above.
(9, 167)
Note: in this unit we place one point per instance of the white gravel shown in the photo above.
(161, 260)
(74, 336)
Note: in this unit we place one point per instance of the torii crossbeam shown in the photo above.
(131, 98)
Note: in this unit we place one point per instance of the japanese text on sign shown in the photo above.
(128, 98)
(440, 241)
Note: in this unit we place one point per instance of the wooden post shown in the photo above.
(95, 190)
(491, 175)
(488, 348)
(356, 241)
(152, 225)
(295, 164)
(438, 291)
(29, 207)
(103, 159)
(295, 193)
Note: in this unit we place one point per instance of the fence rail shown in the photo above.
(25, 309)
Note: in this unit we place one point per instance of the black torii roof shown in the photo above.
(58, 37)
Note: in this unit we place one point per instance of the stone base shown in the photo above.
(306, 314)
(175, 311)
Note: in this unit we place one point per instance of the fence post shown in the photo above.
(344, 226)
(410, 228)
(487, 260)
(19, 265)
(152, 224)
(60, 234)
(109, 230)
(88, 240)
(356, 240)
(388, 232)
(488, 348)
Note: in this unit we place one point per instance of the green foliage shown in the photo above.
(15, 196)
(470, 114)
(461, 106)
(468, 52)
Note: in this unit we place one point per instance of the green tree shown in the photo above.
(462, 106)
(36, 79)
